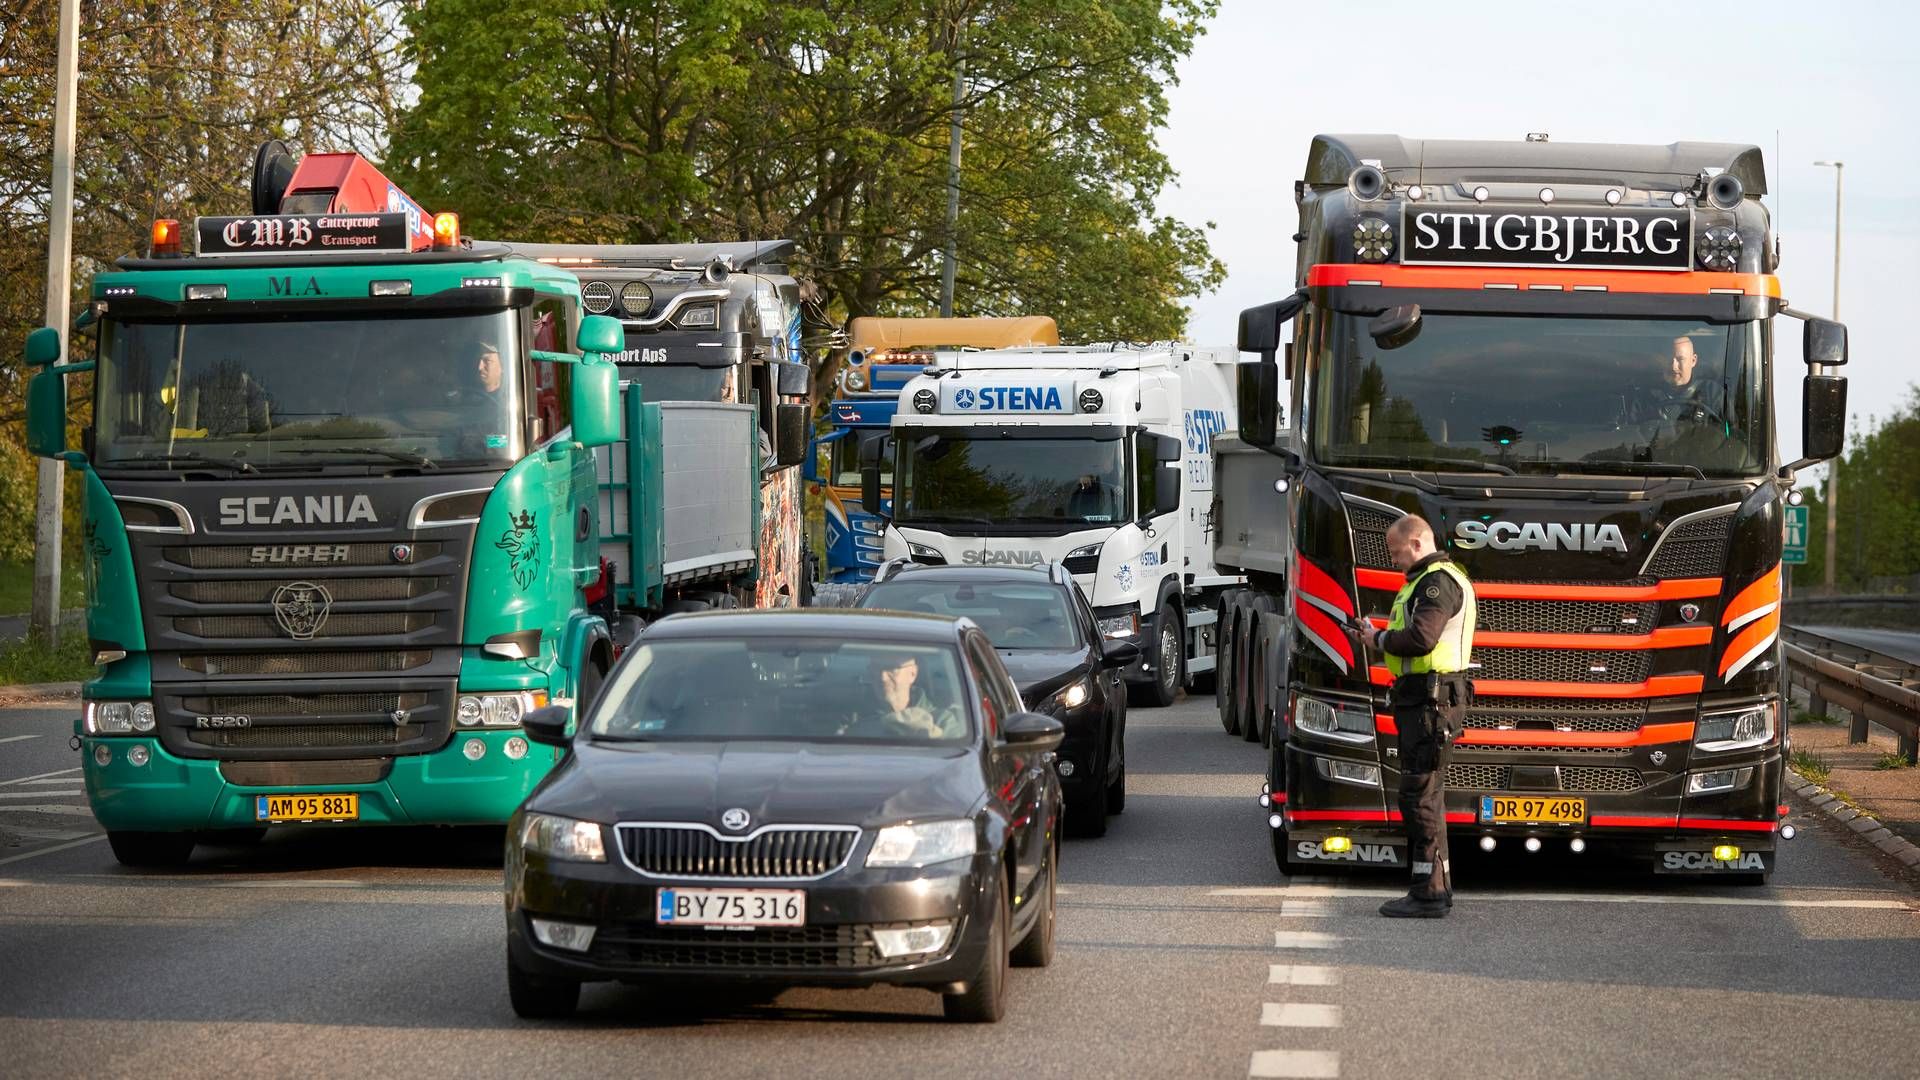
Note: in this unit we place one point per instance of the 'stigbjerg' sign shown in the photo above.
(277, 234)
(1618, 238)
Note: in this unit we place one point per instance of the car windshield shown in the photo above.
(798, 688)
(307, 390)
(945, 477)
(1014, 615)
(1527, 394)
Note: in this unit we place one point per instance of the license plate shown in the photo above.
(306, 808)
(1531, 810)
(733, 907)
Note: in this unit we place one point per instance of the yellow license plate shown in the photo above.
(306, 808)
(1531, 810)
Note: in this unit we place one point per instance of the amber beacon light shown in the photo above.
(446, 232)
(166, 239)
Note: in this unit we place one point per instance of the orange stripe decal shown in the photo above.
(1384, 580)
(1666, 637)
(1658, 686)
(1756, 596)
(1650, 735)
(1755, 636)
(1676, 589)
(1692, 283)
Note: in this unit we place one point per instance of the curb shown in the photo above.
(1868, 827)
(26, 693)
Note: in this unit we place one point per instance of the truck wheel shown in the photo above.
(151, 850)
(1222, 650)
(1227, 688)
(1170, 657)
(1252, 724)
(1280, 846)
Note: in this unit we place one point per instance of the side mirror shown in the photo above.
(47, 413)
(870, 474)
(596, 401)
(1166, 489)
(1823, 420)
(792, 380)
(1033, 732)
(601, 334)
(790, 441)
(1258, 401)
(1260, 326)
(548, 725)
(43, 347)
(1395, 326)
(1118, 654)
(1166, 448)
(1824, 342)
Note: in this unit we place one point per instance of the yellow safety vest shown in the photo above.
(1454, 651)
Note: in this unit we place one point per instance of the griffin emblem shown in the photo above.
(521, 542)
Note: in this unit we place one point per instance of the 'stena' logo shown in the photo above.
(963, 398)
(301, 608)
(1513, 536)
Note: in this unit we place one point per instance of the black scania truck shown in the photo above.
(1561, 356)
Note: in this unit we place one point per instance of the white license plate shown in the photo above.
(732, 907)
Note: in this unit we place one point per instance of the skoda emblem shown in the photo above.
(401, 553)
(1658, 757)
(301, 609)
(1689, 612)
(735, 819)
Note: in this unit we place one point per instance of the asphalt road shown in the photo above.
(1899, 644)
(1182, 953)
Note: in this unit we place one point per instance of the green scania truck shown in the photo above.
(343, 516)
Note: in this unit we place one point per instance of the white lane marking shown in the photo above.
(18, 738)
(1465, 897)
(39, 794)
(1299, 1014)
(316, 884)
(55, 780)
(1296, 1064)
(51, 850)
(1303, 939)
(1302, 909)
(48, 808)
(1302, 975)
(36, 776)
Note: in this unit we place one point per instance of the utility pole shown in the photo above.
(45, 615)
(953, 177)
(1833, 466)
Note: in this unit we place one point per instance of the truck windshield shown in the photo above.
(984, 479)
(429, 390)
(678, 382)
(844, 464)
(1519, 394)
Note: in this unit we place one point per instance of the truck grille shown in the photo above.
(1541, 713)
(1696, 549)
(1370, 537)
(241, 556)
(298, 773)
(257, 591)
(352, 624)
(650, 946)
(1472, 776)
(308, 662)
(305, 736)
(1566, 617)
(1466, 776)
(1479, 748)
(331, 704)
(692, 852)
(1561, 665)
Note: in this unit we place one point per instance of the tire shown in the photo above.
(1117, 790)
(1036, 949)
(1170, 658)
(1280, 845)
(1252, 724)
(1243, 668)
(538, 998)
(1227, 687)
(1222, 666)
(985, 998)
(151, 850)
(1087, 812)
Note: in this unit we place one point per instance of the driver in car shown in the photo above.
(895, 709)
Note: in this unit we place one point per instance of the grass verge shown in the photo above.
(16, 586)
(1812, 766)
(1892, 761)
(30, 660)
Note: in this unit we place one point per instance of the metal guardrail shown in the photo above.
(1857, 600)
(1871, 685)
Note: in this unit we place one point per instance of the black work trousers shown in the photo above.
(1426, 735)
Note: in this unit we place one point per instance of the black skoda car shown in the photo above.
(1045, 633)
(824, 798)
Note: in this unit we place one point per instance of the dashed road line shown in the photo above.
(37, 776)
(1299, 1014)
(18, 738)
(53, 780)
(51, 850)
(1304, 939)
(1296, 1064)
(1302, 909)
(75, 793)
(1302, 975)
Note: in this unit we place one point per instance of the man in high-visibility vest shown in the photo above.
(1427, 646)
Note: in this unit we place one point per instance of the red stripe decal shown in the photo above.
(1666, 637)
(1339, 815)
(1726, 824)
(1320, 585)
(1322, 626)
(1650, 735)
(1384, 580)
(1689, 283)
(1628, 821)
(1385, 724)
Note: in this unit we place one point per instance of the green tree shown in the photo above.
(637, 121)
(1879, 510)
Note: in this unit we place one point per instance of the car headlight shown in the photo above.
(1074, 694)
(119, 717)
(1740, 730)
(497, 710)
(1124, 625)
(563, 838)
(922, 844)
(1342, 722)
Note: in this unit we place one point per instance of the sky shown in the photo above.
(1835, 79)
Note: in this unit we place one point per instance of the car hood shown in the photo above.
(774, 782)
(1040, 672)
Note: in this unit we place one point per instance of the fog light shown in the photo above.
(1065, 767)
(1335, 845)
(1274, 821)
(1726, 852)
(102, 754)
(468, 711)
(1717, 780)
(474, 749)
(913, 939)
(1576, 845)
(137, 755)
(1266, 799)
(572, 937)
(1487, 843)
(516, 748)
(1532, 844)
(1788, 832)
(143, 716)
(1348, 772)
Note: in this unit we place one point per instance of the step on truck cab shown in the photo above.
(1561, 356)
(1095, 456)
(882, 355)
(341, 521)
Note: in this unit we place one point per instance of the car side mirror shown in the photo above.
(1118, 654)
(1823, 417)
(596, 402)
(548, 725)
(601, 334)
(1033, 732)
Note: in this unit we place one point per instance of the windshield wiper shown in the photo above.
(158, 461)
(1436, 465)
(1635, 468)
(407, 457)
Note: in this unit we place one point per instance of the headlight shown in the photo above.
(922, 551)
(497, 710)
(1735, 730)
(119, 717)
(1347, 772)
(1707, 783)
(703, 315)
(1120, 626)
(563, 838)
(1086, 551)
(1325, 719)
(1075, 694)
(922, 844)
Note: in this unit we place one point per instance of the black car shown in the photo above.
(805, 798)
(1045, 633)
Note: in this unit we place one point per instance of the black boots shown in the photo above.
(1418, 907)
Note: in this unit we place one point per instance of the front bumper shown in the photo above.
(834, 948)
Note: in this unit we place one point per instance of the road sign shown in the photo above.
(1796, 549)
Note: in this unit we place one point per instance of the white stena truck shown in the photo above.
(1094, 456)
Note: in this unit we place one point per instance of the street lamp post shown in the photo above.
(44, 616)
(1833, 467)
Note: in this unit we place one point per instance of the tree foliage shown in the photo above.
(636, 121)
(1879, 511)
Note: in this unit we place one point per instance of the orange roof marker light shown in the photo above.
(166, 239)
(446, 232)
